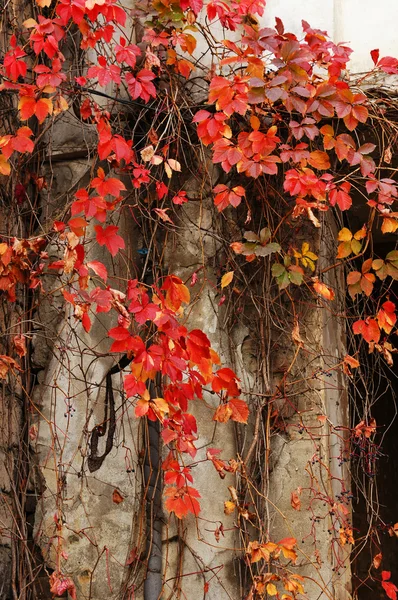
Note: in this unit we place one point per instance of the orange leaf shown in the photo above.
(323, 290)
(5, 167)
(377, 560)
(240, 410)
(223, 413)
(351, 361)
(295, 499)
(181, 501)
(117, 498)
(20, 344)
(319, 160)
(176, 292)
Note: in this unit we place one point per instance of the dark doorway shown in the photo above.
(375, 466)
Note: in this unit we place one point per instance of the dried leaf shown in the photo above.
(295, 499)
(377, 560)
(117, 498)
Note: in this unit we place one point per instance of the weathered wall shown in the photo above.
(362, 24)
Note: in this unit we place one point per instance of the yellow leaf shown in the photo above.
(29, 23)
(311, 255)
(229, 507)
(345, 235)
(271, 589)
(226, 279)
(169, 172)
(161, 405)
(344, 250)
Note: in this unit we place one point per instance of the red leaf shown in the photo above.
(119, 333)
(107, 185)
(390, 589)
(375, 55)
(59, 584)
(108, 237)
(369, 329)
(98, 268)
(86, 322)
(196, 5)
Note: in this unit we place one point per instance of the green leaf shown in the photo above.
(265, 235)
(356, 246)
(250, 236)
(283, 281)
(392, 271)
(296, 275)
(392, 256)
(277, 269)
(267, 250)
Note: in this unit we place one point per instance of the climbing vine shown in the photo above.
(291, 138)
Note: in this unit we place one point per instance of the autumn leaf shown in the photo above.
(271, 589)
(117, 498)
(295, 499)
(59, 584)
(182, 501)
(377, 560)
(368, 328)
(162, 213)
(319, 160)
(229, 507)
(177, 292)
(98, 268)
(20, 344)
(389, 588)
(108, 236)
(287, 546)
(351, 361)
(386, 316)
(226, 279)
(341, 196)
(7, 364)
(240, 410)
(28, 107)
(323, 290)
(228, 197)
(5, 167)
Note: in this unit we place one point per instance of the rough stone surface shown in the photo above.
(5, 573)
